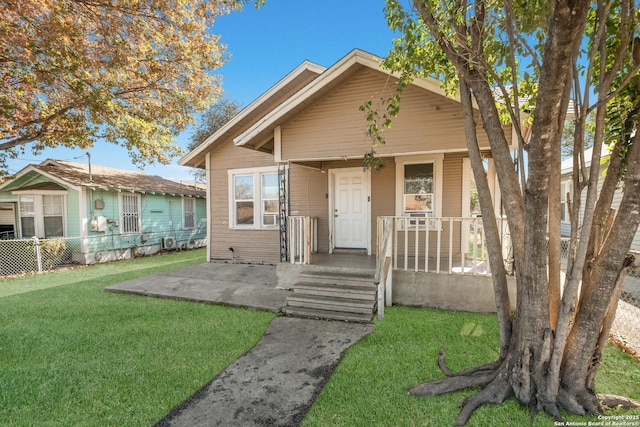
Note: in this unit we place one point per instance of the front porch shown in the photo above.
(434, 262)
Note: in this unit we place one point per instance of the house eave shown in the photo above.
(196, 158)
(356, 57)
(386, 155)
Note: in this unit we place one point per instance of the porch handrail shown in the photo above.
(382, 278)
(302, 238)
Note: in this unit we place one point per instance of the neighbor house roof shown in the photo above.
(101, 177)
(566, 166)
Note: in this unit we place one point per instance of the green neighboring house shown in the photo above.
(102, 213)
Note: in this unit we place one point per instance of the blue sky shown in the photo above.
(264, 45)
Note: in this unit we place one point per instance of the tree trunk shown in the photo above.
(599, 286)
(490, 224)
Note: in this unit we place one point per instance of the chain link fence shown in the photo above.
(20, 256)
(36, 255)
(626, 327)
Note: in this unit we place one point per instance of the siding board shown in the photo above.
(333, 127)
(250, 246)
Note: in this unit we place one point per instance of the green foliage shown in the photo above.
(378, 122)
(53, 252)
(218, 114)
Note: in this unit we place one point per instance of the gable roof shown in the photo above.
(566, 167)
(284, 88)
(253, 126)
(100, 177)
(261, 131)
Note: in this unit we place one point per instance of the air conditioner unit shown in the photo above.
(169, 243)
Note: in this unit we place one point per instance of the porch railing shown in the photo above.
(444, 245)
(449, 245)
(302, 238)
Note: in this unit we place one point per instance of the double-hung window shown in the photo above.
(42, 215)
(253, 198)
(419, 186)
(52, 213)
(188, 213)
(417, 199)
(130, 214)
(27, 216)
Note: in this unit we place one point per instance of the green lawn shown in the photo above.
(71, 354)
(370, 385)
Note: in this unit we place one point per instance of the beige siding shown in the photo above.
(308, 196)
(383, 196)
(252, 246)
(333, 127)
(452, 190)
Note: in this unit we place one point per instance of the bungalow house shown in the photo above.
(101, 213)
(287, 186)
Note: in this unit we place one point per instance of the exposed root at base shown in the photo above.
(610, 401)
(499, 383)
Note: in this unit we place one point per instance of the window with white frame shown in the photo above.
(188, 212)
(269, 197)
(565, 199)
(417, 198)
(52, 215)
(419, 186)
(253, 198)
(42, 215)
(130, 215)
(27, 216)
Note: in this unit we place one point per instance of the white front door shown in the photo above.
(350, 208)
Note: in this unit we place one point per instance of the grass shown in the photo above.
(370, 385)
(121, 270)
(71, 354)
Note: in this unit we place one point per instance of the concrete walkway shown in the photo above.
(251, 286)
(276, 382)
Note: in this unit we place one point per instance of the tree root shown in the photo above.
(496, 392)
(610, 401)
(478, 370)
(448, 385)
(501, 379)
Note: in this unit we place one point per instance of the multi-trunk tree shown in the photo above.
(536, 64)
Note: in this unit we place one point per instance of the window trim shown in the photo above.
(258, 208)
(192, 200)
(38, 212)
(436, 160)
(121, 214)
(566, 186)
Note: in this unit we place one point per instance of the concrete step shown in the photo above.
(335, 290)
(311, 313)
(347, 305)
(337, 277)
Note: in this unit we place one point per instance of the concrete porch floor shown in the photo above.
(349, 260)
